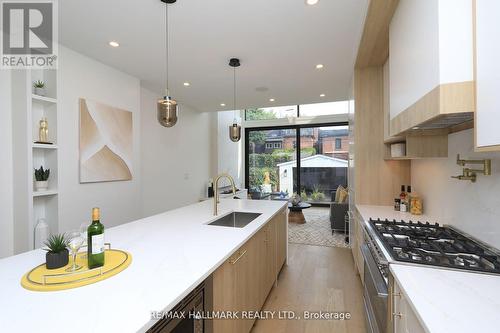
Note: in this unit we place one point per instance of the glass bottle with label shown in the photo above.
(95, 243)
(402, 195)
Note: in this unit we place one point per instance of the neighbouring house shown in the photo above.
(319, 172)
(334, 143)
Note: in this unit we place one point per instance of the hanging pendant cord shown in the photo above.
(234, 93)
(166, 43)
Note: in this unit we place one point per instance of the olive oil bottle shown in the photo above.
(95, 241)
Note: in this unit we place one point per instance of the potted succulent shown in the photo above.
(42, 179)
(57, 255)
(39, 87)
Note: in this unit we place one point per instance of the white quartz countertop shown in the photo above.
(451, 301)
(443, 300)
(172, 253)
(388, 212)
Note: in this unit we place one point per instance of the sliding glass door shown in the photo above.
(270, 159)
(275, 171)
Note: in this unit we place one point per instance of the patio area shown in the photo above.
(316, 230)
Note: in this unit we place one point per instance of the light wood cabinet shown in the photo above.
(270, 256)
(357, 241)
(487, 75)
(243, 282)
(404, 319)
(281, 240)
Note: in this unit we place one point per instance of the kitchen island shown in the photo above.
(172, 252)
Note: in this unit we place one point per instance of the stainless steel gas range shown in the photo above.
(415, 243)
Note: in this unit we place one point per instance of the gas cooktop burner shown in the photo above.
(432, 244)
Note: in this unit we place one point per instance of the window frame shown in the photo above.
(297, 140)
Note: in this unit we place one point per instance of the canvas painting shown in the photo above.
(105, 143)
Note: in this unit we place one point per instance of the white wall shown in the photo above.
(472, 207)
(230, 154)
(6, 199)
(176, 161)
(80, 76)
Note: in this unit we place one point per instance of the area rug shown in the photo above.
(316, 230)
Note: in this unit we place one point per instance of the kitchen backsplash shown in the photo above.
(472, 207)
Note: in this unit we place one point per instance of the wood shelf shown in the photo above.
(44, 99)
(44, 193)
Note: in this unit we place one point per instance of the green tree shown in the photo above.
(257, 137)
(259, 114)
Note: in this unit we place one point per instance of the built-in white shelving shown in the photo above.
(43, 99)
(31, 205)
(44, 146)
(44, 193)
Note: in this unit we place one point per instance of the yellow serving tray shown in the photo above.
(42, 279)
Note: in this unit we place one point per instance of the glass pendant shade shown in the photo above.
(167, 111)
(235, 132)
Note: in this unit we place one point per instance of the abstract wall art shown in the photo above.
(106, 143)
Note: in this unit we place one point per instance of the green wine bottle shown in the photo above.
(95, 241)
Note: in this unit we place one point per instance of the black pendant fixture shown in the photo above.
(234, 129)
(167, 107)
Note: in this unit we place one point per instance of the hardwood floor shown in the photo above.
(317, 278)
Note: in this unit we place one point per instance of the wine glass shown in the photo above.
(75, 242)
(83, 231)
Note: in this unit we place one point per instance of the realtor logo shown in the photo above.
(29, 31)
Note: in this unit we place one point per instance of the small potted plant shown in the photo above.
(39, 87)
(57, 255)
(42, 179)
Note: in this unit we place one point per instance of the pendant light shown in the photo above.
(234, 129)
(166, 106)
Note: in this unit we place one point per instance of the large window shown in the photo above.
(278, 112)
(274, 169)
(294, 111)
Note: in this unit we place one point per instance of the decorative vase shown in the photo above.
(56, 260)
(295, 200)
(40, 91)
(41, 185)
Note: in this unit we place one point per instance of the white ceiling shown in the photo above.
(279, 43)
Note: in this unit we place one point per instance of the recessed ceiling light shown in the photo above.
(322, 95)
(319, 66)
(222, 104)
(114, 44)
(187, 84)
(312, 2)
(271, 99)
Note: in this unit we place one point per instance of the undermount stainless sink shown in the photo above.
(235, 219)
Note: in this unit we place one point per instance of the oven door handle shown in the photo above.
(376, 276)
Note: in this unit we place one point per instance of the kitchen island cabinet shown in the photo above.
(243, 282)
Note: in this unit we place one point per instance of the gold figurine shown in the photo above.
(43, 133)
